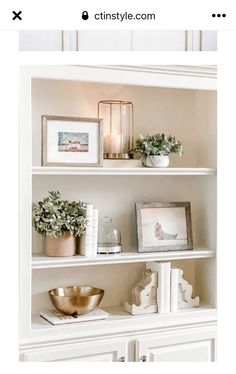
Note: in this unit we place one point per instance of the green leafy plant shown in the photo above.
(53, 216)
(157, 145)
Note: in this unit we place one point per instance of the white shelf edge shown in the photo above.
(118, 321)
(116, 313)
(46, 170)
(43, 262)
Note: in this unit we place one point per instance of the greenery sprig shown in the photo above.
(53, 216)
(157, 145)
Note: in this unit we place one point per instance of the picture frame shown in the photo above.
(72, 141)
(164, 226)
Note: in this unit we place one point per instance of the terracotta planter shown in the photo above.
(63, 246)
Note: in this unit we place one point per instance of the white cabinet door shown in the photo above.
(155, 40)
(186, 346)
(209, 40)
(103, 351)
(50, 40)
(40, 40)
(205, 40)
(118, 40)
(104, 40)
(174, 40)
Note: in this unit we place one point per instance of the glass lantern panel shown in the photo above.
(117, 127)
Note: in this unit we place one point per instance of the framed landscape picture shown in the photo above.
(71, 141)
(164, 226)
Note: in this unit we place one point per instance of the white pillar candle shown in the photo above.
(112, 143)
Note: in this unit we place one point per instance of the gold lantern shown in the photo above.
(117, 118)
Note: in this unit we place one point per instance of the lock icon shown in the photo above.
(85, 15)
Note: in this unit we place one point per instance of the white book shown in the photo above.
(86, 240)
(56, 318)
(167, 267)
(95, 232)
(163, 284)
(174, 289)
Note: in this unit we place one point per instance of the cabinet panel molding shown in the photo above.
(208, 40)
(102, 351)
(69, 40)
(193, 345)
(156, 40)
(104, 40)
(118, 40)
(182, 345)
(34, 40)
(202, 40)
(184, 352)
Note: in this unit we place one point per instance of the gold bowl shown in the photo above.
(76, 300)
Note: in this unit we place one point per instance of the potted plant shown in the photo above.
(60, 222)
(155, 149)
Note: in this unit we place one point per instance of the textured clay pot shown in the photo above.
(156, 161)
(63, 246)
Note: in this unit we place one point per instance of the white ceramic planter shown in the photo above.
(156, 161)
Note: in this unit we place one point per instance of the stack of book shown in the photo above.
(56, 318)
(167, 285)
(89, 241)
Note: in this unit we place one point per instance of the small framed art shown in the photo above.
(164, 226)
(71, 141)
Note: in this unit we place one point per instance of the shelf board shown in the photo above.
(43, 262)
(119, 321)
(46, 170)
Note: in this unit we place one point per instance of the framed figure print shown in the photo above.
(71, 141)
(164, 226)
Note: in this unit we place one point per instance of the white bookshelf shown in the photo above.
(114, 189)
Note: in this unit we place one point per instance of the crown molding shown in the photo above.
(207, 71)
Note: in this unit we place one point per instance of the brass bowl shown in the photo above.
(76, 300)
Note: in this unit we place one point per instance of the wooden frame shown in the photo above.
(98, 155)
(151, 236)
